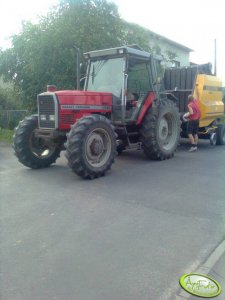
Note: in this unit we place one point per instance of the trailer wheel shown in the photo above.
(91, 146)
(160, 131)
(220, 135)
(213, 138)
(31, 151)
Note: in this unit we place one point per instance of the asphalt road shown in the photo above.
(129, 235)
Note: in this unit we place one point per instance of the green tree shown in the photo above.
(8, 96)
(44, 53)
(135, 34)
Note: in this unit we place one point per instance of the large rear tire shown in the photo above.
(91, 146)
(31, 151)
(220, 134)
(160, 131)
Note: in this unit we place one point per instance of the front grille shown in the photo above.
(46, 108)
(67, 119)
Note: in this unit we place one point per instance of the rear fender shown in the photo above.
(148, 102)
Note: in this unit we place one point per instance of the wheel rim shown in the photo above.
(98, 147)
(168, 131)
(40, 148)
(213, 138)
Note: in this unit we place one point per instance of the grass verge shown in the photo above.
(6, 135)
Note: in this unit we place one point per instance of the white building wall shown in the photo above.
(182, 54)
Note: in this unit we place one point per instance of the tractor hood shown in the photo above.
(61, 109)
(71, 97)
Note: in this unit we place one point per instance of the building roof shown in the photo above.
(178, 45)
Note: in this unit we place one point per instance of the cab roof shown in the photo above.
(118, 51)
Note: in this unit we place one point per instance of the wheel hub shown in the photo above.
(163, 129)
(96, 147)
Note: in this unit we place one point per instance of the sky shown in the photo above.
(193, 23)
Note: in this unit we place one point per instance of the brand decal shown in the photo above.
(85, 107)
(200, 285)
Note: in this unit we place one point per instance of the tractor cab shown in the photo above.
(129, 73)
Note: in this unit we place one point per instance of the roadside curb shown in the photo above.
(214, 266)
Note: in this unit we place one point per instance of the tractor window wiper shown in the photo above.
(96, 69)
(93, 75)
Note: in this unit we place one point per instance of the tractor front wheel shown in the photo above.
(160, 131)
(91, 146)
(32, 151)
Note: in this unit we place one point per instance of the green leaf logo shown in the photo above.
(200, 285)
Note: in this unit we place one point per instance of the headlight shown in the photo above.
(43, 117)
(51, 117)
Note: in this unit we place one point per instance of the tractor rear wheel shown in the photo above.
(220, 134)
(91, 146)
(160, 131)
(31, 151)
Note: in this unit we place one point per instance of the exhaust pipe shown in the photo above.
(78, 66)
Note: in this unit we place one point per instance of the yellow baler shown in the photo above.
(198, 80)
(208, 90)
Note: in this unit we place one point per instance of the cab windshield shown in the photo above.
(106, 75)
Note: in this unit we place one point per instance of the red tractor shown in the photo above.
(123, 106)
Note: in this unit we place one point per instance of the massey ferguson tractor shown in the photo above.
(124, 105)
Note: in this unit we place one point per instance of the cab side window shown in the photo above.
(138, 81)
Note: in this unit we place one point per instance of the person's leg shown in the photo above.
(190, 130)
(191, 139)
(196, 139)
(195, 132)
(190, 127)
